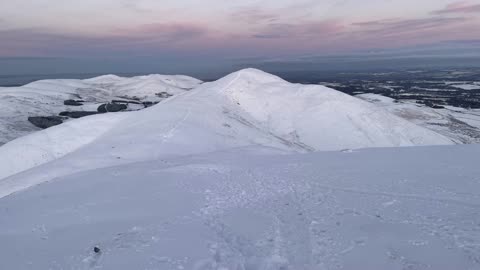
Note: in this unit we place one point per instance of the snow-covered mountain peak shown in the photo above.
(244, 79)
(109, 78)
(209, 179)
(246, 108)
(253, 75)
(314, 116)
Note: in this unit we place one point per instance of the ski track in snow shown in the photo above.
(169, 134)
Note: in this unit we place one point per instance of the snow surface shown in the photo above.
(48, 145)
(46, 97)
(226, 176)
(393, 208)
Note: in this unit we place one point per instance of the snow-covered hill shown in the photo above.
(228, 176)
(317, 117)
(46, 98)
(246, 108)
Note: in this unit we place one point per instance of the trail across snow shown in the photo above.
(241, 209)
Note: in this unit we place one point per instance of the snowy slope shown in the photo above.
(318, 117)
(45, 98)
(395, 208)
(245, 108)
(146, 87)
(227, 176)
(459, 124)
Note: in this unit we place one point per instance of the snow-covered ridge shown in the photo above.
(318, 117)
(245, 108)
(46, 97)
(219, 177)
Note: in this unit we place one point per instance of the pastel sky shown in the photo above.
(247, 28)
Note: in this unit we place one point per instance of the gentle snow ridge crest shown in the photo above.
(245, 108)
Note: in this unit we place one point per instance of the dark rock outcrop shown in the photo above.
(77, 114)
(125, 101)
(433, 105)
(45, 121)
(111, 107)
(130, 97)
(163, 95)
(71, 102)
(147, 104)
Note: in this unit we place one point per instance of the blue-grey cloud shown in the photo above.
(399, 26)
(144, 39)
(302, 30)
(459, 7)
(254, 15)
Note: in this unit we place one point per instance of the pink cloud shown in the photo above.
(265, 39)
(159, 33)
(399, 26)
(254, 15)
(142, 39)
(304, 30)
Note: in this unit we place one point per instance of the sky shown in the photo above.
(213, 30)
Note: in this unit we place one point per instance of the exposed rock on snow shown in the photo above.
(77, 114)
(147, 104)
(125, 101)
(45, 121)
(71, 102)
(111, 107)
(163, 95)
